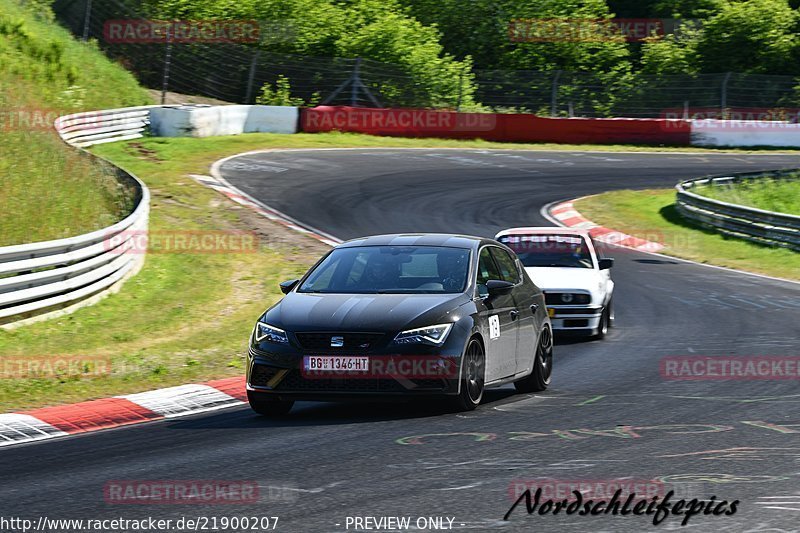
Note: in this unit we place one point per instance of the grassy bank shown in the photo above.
(44, 72)
(651, 214)
(781, 195)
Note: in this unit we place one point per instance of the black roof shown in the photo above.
(419, 239)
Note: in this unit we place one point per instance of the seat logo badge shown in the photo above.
(337, 341)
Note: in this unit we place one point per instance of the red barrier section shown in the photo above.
(495, 127)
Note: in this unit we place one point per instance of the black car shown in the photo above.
(402, 316)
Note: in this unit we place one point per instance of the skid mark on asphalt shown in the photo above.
(609, 400)
(495, 464)
(785, 502)
(745, 453)
(788, 398)
(259, 166)
(471, 161)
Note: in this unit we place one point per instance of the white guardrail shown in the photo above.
(757, 225)
(41, 277)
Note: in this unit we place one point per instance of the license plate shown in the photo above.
(336, 363)
(551, 312)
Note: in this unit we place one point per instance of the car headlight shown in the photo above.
(572, 298)
(267, 333)
(435, 335)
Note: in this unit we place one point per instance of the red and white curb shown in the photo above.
(241, 198)
(565, 214)
(96, 415)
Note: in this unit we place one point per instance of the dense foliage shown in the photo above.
(440, 43)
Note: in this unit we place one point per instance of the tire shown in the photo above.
(272, 408)
(539, 378)
(472, 377)
(605, 323)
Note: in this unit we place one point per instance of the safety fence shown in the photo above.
(757, 225)
(235, 72)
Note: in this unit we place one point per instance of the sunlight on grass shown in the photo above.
(651, 214)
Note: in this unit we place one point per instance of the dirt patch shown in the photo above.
(178, 98)
(142, 152)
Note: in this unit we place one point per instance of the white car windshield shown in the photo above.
(553, 250)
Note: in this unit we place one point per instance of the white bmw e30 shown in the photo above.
(575, 279)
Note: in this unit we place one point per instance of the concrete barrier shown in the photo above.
(739, 133)
(210, 121)
(495, 126)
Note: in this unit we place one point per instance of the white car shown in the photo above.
(576, 281)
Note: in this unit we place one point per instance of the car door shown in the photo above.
(526, 322)
(501, 344)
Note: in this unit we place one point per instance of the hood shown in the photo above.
(362, 312)
(552, 278)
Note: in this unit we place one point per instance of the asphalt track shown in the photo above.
(609, 414)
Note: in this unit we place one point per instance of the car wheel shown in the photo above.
(539, 378)
(271, 408)
(472, 377)
(602, 328)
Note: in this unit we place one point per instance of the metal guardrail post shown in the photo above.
(554, 94)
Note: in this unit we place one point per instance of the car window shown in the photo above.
(550, 250)
(323, 274)
(508, 267)
(487, 269)
(390, 269)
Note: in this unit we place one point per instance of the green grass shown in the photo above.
(781, 195)
(651, 214)
(47, 191)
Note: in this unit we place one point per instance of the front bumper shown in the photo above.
(575, 319)
(266, 379)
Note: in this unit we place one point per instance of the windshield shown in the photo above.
(390, 269)
(554, 250)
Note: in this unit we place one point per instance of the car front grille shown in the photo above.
(352, 342)
(554, 298)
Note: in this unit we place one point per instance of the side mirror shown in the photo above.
(606, 262)
(287, 286)
(496, 286)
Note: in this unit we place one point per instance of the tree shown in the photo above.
(758, 36)
(281, 94)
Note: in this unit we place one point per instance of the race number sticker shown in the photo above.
(494, 327)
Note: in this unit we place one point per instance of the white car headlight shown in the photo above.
(435, 335)
(265, 332)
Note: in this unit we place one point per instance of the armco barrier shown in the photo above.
(758, 225)
(95, 127)
(46, 276)
(495, 127)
